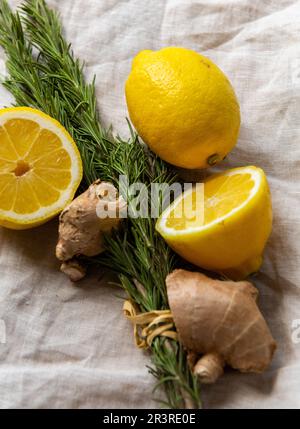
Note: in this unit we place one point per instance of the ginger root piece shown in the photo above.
(84, 221)
(73, 269)
(219, 321)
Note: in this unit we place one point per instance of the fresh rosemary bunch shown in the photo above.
(43, 73)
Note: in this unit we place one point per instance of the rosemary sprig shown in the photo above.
(44, 74)
(57, 91)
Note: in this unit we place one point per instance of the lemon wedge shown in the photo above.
(40, 167)
(230, 236)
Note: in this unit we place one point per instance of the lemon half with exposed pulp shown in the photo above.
(237, 222)
(40, 167)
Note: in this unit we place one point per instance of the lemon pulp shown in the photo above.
(221, 196)
(40, 167)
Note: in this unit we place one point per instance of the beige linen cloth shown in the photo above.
(69, 346)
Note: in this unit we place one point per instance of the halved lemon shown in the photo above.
(40, 167)
(231, 235)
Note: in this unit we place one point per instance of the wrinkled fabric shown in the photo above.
(69, 346)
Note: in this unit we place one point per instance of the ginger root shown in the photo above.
(219, 323)
(73, 269)
(82, 225)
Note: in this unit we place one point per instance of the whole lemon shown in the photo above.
(183, 107)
